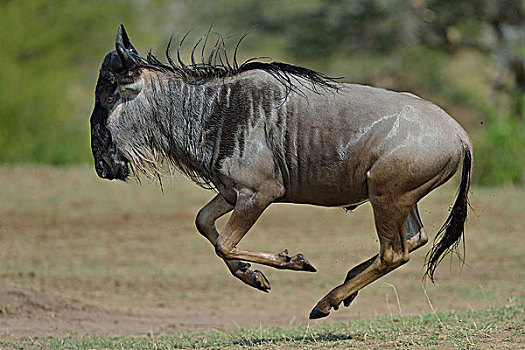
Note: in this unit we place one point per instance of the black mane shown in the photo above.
(217, 65)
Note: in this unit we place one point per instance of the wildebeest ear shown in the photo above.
(128, 55)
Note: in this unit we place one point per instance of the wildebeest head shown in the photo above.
(118, 81)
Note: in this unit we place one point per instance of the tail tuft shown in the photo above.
(452, 231)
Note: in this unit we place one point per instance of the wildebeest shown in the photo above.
(260, 133)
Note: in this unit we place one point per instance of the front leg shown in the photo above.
(205, 223)
(248, 208)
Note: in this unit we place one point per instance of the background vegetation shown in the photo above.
(466, 55)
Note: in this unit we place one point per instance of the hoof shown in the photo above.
(305, 263)
(260, 281)
(316, 313)
(348, 300)
(309, 268)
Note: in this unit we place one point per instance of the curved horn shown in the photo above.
(128, 55)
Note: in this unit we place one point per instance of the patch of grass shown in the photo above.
(442, 330)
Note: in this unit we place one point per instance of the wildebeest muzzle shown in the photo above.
(109, 164)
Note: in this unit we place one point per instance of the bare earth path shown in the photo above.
(82, 255)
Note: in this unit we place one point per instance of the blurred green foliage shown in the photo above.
(466, 55)
(501, 150)
(47, 49)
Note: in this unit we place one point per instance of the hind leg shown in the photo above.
(416, 238)
(390, 214)
(392, 203)
(416, 235)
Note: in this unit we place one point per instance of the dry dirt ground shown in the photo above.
(82, 255)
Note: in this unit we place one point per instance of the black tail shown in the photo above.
(448, 237)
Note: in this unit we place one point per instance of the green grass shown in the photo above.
(501, 326)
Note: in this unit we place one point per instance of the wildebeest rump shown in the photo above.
(260, 133)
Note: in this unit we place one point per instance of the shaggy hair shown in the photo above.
(217, 65)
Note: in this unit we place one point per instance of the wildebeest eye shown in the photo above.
(111, 99)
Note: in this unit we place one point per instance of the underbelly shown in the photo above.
(327, 195)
